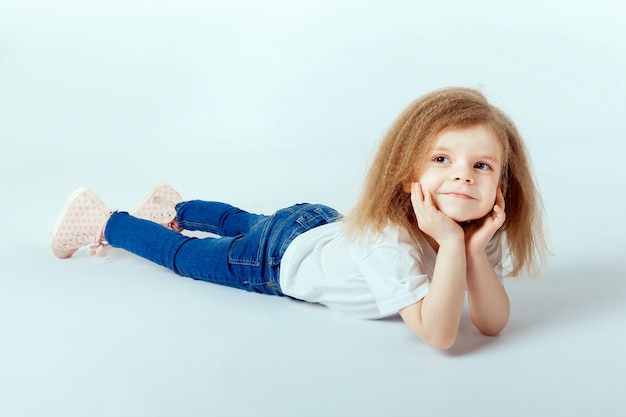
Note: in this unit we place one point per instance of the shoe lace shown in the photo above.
(99, 249)
(173, 225)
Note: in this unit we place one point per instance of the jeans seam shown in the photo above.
(174, 268)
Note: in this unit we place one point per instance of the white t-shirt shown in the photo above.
(368, 278)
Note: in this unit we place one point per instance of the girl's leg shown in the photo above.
(207, 259)
(166, 206)
(214, 217)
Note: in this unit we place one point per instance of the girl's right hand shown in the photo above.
(430, 219)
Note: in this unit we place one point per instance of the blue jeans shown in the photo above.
(247, 254)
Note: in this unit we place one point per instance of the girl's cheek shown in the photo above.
(426, 184)
(494, 195)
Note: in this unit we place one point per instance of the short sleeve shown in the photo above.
(395, 278)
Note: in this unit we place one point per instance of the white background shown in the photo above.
(268, 103)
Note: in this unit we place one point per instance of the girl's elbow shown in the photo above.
(440, 341)
(443, 344)
(437, 335)
(491, 331)
(491, 328)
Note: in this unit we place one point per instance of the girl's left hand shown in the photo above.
(478, 235)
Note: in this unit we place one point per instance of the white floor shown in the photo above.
(264, 104)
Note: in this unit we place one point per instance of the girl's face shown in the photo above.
(462, 172)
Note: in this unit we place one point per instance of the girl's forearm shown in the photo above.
(442, 308)
(488, 300)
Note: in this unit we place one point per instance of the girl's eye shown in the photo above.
(482, 165)
(441, 159)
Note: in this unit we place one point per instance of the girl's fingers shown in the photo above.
(423, 200)
(499, 215)
(428, 199)
(417, 191)
(417, 197)
(429, 203)
(500, 199)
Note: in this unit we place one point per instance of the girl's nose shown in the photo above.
(463, 175)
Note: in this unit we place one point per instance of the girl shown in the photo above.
(429, 227)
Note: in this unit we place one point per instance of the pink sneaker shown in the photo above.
(159, 207)
(81, 223)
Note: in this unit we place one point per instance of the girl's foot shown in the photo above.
(160, 207)
(81, 223)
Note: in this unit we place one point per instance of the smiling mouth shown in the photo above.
(460, 195)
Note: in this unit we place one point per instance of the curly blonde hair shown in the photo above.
(402, 154)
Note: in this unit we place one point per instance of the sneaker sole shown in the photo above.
(62, 253)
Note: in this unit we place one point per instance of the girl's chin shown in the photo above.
(462, 221)
(463, 217)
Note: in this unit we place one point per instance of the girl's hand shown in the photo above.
(478, 235)
(430, 220)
